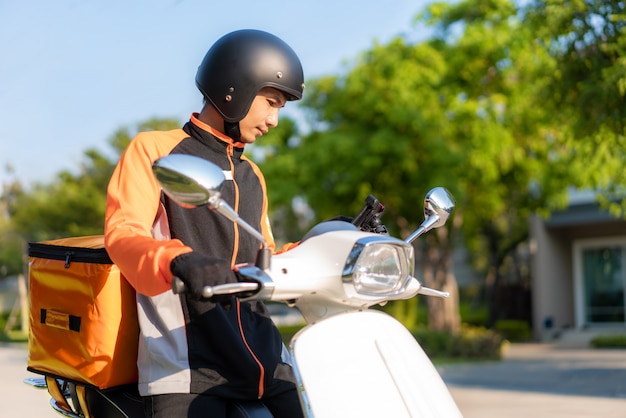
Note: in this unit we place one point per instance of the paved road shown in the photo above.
(536, 380)
(18, 400)
(533, 381)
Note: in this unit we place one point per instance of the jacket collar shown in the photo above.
(209, 135)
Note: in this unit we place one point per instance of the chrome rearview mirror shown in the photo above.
(438, 206)
(440, 203)
(193, 181)
(189, 181)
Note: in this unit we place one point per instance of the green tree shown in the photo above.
(464, 109)
(587, 39)
(11, 244)
(73, 204)
(374, 134)
(496, 79)
(547, 83)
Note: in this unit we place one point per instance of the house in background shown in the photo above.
(578, 273)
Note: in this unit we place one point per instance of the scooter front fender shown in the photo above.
(367, 364)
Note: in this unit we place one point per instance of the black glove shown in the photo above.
(197, 271)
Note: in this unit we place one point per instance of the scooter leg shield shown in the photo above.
(367, 364)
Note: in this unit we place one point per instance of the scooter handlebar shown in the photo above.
(178, 286)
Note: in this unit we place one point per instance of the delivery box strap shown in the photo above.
(60, 390)
(60, 320)
(56, 391)
(69, 254)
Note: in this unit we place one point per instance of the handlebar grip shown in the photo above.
(178, 286)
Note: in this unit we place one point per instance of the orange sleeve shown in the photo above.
(133, 197)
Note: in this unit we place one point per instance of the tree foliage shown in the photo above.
(506, 106)
(382, 128)
(72, 204)
(484, 108)
(587, 38)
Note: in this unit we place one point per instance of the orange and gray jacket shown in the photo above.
(230, 350)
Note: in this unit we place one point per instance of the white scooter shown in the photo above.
(349, 361)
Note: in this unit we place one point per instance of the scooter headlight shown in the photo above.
(379, 266)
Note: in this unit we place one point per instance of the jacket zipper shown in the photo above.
(261, 388)
(230, 152)
(256, 359)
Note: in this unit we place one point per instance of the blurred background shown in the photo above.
(518, 108)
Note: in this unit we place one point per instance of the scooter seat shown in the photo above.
(248, 410)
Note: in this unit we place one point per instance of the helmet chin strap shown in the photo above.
(232, 130)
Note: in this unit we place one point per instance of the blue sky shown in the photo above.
(74, 71)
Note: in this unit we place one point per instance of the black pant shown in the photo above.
(179, 405)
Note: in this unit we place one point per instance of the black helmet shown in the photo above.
(240, 64)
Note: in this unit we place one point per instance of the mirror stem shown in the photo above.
(229, 213)
(424, 227)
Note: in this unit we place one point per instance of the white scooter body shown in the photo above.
(366, 364)
(351, 361)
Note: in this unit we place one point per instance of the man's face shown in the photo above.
(263, 114)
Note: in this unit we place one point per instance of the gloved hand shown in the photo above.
(197, 271)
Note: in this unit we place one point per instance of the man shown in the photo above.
(196, 354)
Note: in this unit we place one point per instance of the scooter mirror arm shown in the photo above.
(424, 227)
(223, 208)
